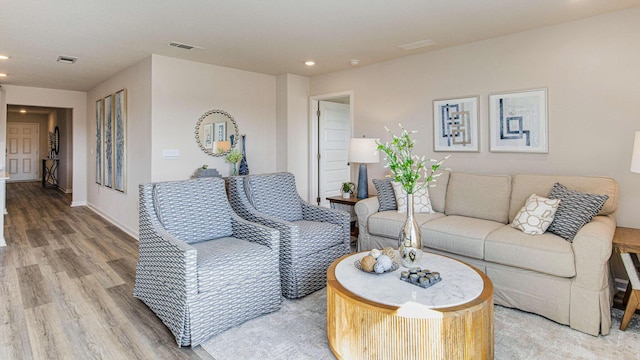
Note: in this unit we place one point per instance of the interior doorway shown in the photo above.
(53, 126)
(332, 125)
(22, 151)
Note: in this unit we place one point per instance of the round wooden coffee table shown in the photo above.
(382, 317)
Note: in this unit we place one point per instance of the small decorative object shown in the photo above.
(367, 263)
(378, 264)
(347, 189)
(407, 170)
(390, 252)
(234, 157)
(244, 168)
(420, 277)
(205, 171)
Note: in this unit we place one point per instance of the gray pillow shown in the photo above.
(386, 196)
(575, 210)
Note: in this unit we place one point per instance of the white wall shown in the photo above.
(121, 208)
(293, 129)
(184, 90)
(75, 100)
(590, 68)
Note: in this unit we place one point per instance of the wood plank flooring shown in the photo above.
(66, 286)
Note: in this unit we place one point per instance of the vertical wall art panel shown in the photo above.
(99, 118)
(455, 124)
(120, 136)
(108, 141)
(518, 122)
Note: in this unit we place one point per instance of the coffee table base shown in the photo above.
(361, 329)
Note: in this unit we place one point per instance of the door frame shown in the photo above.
(313, 137)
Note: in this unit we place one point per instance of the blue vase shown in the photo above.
(244, 168)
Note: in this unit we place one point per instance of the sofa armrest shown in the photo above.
(365, 208)
(254, 232)
(592, 250)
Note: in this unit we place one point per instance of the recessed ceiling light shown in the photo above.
(309, 62)
(4, 57)
(23, 111)
(3, 74)
(67, 59)
(354, 62)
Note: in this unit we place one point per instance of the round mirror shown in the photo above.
(217, 132)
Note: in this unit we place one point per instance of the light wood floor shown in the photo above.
(66, 290)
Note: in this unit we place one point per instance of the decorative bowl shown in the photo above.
(394, 266)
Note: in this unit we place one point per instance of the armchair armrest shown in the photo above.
(333, 216)
(243, 229)
(592, 250)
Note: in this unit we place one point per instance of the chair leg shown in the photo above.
(632, 305)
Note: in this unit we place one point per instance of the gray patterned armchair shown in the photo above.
(311, 237)
(202, 269)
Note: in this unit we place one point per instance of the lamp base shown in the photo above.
(363, 182)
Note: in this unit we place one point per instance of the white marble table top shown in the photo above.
(460, 283)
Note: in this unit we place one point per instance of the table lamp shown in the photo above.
(635, 157)
(364, 151)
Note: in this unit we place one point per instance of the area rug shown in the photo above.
(298, 331)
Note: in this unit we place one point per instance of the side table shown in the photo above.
(346, 204)
(627, 243)
(50, 172)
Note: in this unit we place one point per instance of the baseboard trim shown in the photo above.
(130, 232)
(78, 203)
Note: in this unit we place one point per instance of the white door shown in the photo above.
(22, 151)
(334, 130)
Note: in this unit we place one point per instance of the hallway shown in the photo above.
(67, 280)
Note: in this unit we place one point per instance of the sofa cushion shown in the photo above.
(386, 196)
(215, 257)
(575, 210)
(438, 190)
(525, 185)
(479, 196)
(389, 223)
(194, 210)
(458, 234)
(421, 201)
(536, 215)
(546, 253)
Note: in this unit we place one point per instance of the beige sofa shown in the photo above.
(568, 282)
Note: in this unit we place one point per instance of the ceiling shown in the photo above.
(270, 37)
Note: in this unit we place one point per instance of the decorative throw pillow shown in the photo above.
(536, 215)
(386, 196)
(575, 210)
(421, 200)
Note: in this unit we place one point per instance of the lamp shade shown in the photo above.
(221, 146)
(635, 157)
(363, 150)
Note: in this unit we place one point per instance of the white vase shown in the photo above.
(410, 239)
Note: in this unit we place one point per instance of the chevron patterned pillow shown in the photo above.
(575, 210)
(386, 196)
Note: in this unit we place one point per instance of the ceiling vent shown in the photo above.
(67, 59)
(184, 46)
(416, 45)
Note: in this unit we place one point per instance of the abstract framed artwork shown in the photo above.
(99, 119)
(518, 122)
(120, 139)
(108, 141)
(220, 131)
(455, 125)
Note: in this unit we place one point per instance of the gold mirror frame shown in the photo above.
(206, 132)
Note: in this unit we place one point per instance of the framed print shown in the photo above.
(455, 124)
(220, 131)
(108, 141)
(207, 130)
(120, 136)
(99, 118)
(518, 122)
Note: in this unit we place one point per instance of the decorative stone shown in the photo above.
(375, 253)
(390, 253)
(385, 262)
(367, 263)
(378, 268)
